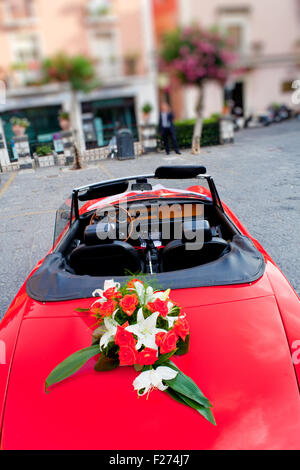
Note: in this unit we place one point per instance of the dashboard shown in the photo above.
(155, 221)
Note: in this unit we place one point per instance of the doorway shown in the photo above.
(237, 99)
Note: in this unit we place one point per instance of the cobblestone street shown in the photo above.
(258, 177)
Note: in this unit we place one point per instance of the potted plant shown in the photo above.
(147, 110)
(226, 109)
(45, 154)
(64, 120)
(19, 125)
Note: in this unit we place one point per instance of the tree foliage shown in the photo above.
(78, 70)
(195, 54)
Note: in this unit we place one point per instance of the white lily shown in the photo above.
(162, 295)
(171, 321)
(140, 291)
(145, 330)
(153, 378)
(109, 284)
(148, 295)
(144, 295)
(111, 326)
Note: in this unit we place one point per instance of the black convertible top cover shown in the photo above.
(55, 282)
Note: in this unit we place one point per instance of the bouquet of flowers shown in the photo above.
(138, 326)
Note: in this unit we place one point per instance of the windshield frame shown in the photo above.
(67, 209)
(76, 192)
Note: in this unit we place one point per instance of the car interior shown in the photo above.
(183, 238)
(157, 236)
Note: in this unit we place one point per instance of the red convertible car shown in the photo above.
(244, 318)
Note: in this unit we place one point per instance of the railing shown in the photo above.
(118, 67)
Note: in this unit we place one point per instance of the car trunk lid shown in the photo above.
(239, 357)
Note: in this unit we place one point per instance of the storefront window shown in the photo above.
(43, 125)
(104, 118)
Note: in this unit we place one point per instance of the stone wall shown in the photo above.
(61, 160)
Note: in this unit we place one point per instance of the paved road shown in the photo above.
(258, 176)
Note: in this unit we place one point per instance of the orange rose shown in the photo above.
(106, 309)
(112, 294)
(129, 303)
(131, 283)
(95, 309)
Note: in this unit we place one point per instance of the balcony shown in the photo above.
(100, 14)
(18, 14)
(267, 60)
(118, 68)
(16, 23)
(25, 74)
(109, 69)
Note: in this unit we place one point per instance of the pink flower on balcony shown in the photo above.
(227, 57)
(184, 51)
(206, 47)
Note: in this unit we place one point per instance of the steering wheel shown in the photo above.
(112, 219)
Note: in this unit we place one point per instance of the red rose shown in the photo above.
(147, 357)
(168, 342)
(128, 356)
(160, 306)
(159, 337)
(109, 293)
(106, 309)
(124, 338)
(129, 303)
(131, 283)
(182, 328)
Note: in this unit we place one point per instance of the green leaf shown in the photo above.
(71, 365)
(183, 346)
(205, 412)
(106, 364)
(165, 358)
(82, 310)
(175, 311)
(176, 396)
(187, 387)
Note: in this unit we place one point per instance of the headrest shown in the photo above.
(200, 228)
(99, 233)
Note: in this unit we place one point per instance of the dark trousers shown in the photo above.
(166, 133)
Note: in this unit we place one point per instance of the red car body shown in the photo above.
(243, 338)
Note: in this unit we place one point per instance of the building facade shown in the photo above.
(123, 39)
(116, 35)
(267, 38)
